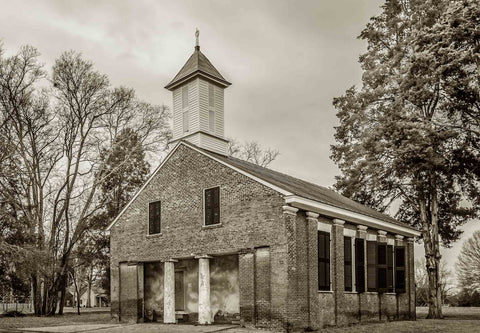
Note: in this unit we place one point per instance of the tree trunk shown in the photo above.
(63, 294)
(89, 291)
(78, 294)
(431, 243)
(37, 295)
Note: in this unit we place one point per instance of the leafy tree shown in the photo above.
(251, 151)
(410, 134)
(119, 186)
(467, 298)
(468, 264)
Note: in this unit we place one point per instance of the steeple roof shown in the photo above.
(197, 65)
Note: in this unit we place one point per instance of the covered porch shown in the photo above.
(200, 289)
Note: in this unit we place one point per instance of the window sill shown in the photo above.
(154, 235)
(350, 292)
(325, 291)
(212, 226)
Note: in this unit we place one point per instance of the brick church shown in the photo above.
(210, 238)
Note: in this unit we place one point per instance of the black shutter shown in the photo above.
(154, 217)
(323, 244)
(212, 206)
(390, 268)
(381, 267)
(371, 266)
(360, 265)
(399, 269)
(347, 255)
(158, 217)
(216, 205)
(151, 218)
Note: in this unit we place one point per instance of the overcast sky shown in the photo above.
(287, 60)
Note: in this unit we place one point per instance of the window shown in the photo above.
(154, 217)
(347, 255)
(211, 95)
(212, 206)
(381, 267)
(390, 268)
(211, 120)
(184, 97)
(186, 119)
(360, 265)
(323, 244)
(371, 266)
(400, 269)
(211, 107)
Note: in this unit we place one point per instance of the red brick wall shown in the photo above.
(277, 292)
(251, 217)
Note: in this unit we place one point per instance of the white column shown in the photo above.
(169, 292)
(204, 309)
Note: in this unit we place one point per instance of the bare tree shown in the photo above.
(60, 137)
(468, 263)
(421, 280)
(251, 151)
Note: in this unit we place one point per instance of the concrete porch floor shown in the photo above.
(140, 328)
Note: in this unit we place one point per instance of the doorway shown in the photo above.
(179, 291)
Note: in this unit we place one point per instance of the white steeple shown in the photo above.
(198, 107)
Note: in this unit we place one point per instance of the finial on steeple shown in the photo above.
(197, 44)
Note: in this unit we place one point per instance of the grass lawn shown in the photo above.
(66, 319)
(456, 320)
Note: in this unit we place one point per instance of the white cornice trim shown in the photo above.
(313, 216)
(382, 233)
(261, 181)
(349, 232)
(338, 222)
(290, 210)
(344, 214)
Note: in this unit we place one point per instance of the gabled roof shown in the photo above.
(282, 183)
(197, 64)
(305, 189)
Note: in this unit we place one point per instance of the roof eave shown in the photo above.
(350, 216)
(172, 85)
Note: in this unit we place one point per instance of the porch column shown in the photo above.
(338, 283)
(169, 292)
(312, 277)
(410, 277)
(204, 309)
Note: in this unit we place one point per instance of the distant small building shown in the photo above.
(98, 298)
(211, 238)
